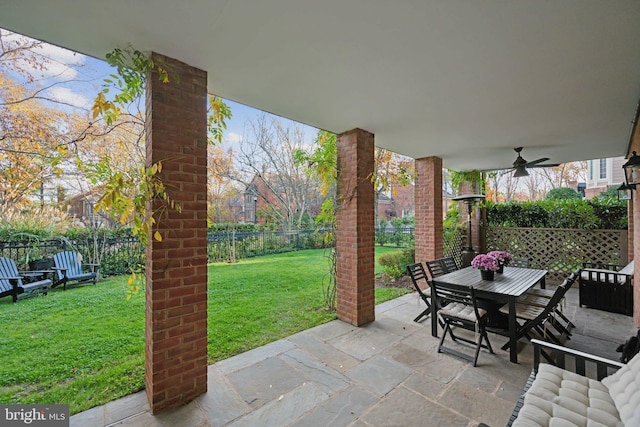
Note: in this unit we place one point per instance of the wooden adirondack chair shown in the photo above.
(11, 281)
(69, 269)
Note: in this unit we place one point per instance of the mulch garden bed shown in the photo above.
(384, 281)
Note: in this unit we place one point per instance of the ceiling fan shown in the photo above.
(520, 165)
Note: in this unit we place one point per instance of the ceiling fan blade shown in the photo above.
(508, 169)
(549, 165)
(535, 162)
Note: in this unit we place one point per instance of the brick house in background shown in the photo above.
(236, 206)
(602, 174)
(258, 196)
(397, 205)
(401, 202)
(81, 209)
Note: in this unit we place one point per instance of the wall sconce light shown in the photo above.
(632, 171)
(624, 192)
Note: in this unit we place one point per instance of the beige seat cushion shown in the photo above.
(624, 387)
(561, 398)
(461, 311)
(628, 269)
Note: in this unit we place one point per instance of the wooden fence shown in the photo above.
(560, 251)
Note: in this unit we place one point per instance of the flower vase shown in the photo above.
(487, 274)
(500, 268)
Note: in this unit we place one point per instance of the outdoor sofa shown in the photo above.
(596, 392)
(607, 287)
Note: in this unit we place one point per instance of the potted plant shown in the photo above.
(503, 257)
(487, 265)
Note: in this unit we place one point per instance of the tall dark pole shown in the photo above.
(469, 204)
(255, 210)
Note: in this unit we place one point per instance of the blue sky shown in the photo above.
(79, 78)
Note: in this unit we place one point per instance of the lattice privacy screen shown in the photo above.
(560, 251)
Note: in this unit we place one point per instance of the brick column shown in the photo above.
(176, 267)
(630, 231)
(355, 232)
(633, 219)
(428, 211)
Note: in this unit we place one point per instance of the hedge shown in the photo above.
(597, 213)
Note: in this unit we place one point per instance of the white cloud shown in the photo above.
(54, 61)
(66, 95)
(62, 62)
(232, 137)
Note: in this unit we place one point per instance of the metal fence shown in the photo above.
(398, 237)
(230, 245)
(116, 255)
(558, 250)
(119, 255)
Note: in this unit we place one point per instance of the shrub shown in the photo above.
(612, 213)
(598, 213)
(562, 193)
(451, 223)
(394, 264)
(42, 222)
(611, 192)
(397, 223)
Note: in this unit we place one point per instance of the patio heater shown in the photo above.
(469, 199)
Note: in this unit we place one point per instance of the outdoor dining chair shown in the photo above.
(535, 318)
(541, 298)
(449, 264)
(419, 277)
(461, 311)
(436, 268)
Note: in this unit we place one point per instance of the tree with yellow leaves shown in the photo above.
(32, 144)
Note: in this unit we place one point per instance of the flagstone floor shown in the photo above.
(385, 374)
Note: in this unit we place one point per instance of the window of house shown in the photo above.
(603, 168)
(590, 170)
(88, 208)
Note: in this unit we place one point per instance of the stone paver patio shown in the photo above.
(385, 374)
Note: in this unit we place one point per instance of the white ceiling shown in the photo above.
(464, 80)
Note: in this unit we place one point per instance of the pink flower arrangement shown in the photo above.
(485, 262)
(503, 257)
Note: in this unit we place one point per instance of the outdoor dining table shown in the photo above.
(505, 288)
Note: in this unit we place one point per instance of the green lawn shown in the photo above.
(85, 346)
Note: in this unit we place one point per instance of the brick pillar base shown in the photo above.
(176, 267)
(355, 232)
(428, 215)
